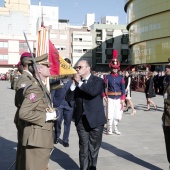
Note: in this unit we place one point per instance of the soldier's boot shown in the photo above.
(109, 127)
(116, 130)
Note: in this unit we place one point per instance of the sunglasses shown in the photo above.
(79, 67)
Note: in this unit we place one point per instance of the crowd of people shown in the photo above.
(40, 111)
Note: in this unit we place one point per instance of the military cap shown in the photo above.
(39, 60)
(43, 59)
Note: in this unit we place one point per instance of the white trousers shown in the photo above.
(115, 109)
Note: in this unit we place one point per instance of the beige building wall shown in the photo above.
(80, 45)
(15, 5)
(60, 39)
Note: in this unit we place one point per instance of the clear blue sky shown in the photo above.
(76, 10)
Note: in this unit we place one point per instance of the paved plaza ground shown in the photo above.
(141, 145)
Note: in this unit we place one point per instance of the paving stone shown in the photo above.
(140, 147)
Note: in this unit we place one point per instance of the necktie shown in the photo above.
(84, 81)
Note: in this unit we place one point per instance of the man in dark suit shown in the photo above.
(86, 90)
(64, 107)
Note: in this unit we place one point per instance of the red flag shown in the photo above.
(54, 60)
(58, 67)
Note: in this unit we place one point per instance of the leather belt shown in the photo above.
(114, 93)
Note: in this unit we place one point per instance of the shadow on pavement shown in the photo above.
(144, 107)
(63, 159)
(128, 156)
(8, 153)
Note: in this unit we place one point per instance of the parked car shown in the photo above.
(3, 77)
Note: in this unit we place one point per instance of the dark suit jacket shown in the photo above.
(59, 95)
(89, 101)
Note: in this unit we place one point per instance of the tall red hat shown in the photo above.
(114, 63)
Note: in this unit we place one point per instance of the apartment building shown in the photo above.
(106, 38)
(92, 41)
(20, 16)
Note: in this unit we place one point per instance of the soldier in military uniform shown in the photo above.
(114, 95)
(25, 79)
(166, 114)
(38, 131)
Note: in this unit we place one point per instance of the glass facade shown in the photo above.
(149, 30)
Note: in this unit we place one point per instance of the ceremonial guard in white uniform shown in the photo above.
(114, 95)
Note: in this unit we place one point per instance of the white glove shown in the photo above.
(165, 95)
(50, 116)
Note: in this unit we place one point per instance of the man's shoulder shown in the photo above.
(32, 86)
(94, 77)
(24, 80)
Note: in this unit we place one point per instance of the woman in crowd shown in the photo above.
(150, 91)
(128, 100)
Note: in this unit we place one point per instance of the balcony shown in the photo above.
(98, 38)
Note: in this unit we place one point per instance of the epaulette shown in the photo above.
(31, 83)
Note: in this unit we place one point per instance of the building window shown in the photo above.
(57, 47)
(3, 44)
(125, 58)
(63, 48)
(108, 45)
(3, 57)
(108, 58)
(98, 42)
(124, 52)
(89, 51)
(23, 45)
(78, 39)
(98, 58)
(108, 51)
(77, 50)
(98, 35)
(125, 39)
(110, 40)
(84, 50)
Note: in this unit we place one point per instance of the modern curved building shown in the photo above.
(148, 23)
